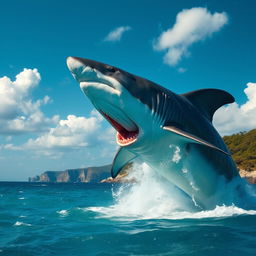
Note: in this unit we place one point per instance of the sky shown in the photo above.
(46, 123)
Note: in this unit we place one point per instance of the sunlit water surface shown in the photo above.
(146, 218)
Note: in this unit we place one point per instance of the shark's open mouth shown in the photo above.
(123, 137)
(98, 82)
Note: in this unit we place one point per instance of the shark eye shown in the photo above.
(111, 69)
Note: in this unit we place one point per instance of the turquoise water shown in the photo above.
(105, 219)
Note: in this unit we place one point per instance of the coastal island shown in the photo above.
(100, 174)
(79, 175)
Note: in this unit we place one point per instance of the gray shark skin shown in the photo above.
(172, 133)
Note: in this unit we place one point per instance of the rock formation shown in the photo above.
(84, 175)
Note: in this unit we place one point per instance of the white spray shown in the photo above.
(152, 197)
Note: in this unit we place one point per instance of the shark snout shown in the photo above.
(80, 71)
(74, 64)
(90, 73)
(71, 62)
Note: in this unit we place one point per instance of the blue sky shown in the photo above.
(46, 123)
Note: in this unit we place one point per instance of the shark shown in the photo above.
(172, 133)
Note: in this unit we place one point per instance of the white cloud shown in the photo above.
(71, 134)
(192, 25)
(116, 34)
(18, 112)
(236, 118)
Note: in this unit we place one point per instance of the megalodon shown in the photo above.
(171, 133)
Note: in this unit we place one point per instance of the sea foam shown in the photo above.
(152, 197)
(19, 223)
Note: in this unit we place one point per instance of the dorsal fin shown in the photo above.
(209, 100)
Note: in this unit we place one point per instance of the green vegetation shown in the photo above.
(243, 148)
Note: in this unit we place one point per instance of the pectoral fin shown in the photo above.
(122, 158)
(192, 138)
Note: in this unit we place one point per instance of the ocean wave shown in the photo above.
(218, 212)
(19, 223)
(63, 213)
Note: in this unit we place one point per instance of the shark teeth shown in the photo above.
(126, 139)
(123, 137)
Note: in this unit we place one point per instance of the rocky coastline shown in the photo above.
(79, 175)
(250, 176)
(101, 174)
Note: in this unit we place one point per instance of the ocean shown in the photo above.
(117, 219)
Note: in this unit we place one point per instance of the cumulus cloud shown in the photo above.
(117, 33)
(70, 134)
(18, 112)
(73, 132)
(236, 118)
(50, 136)
(192, 25)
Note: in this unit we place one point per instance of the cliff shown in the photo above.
(85, 175)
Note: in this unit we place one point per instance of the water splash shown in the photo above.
(153, 197)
